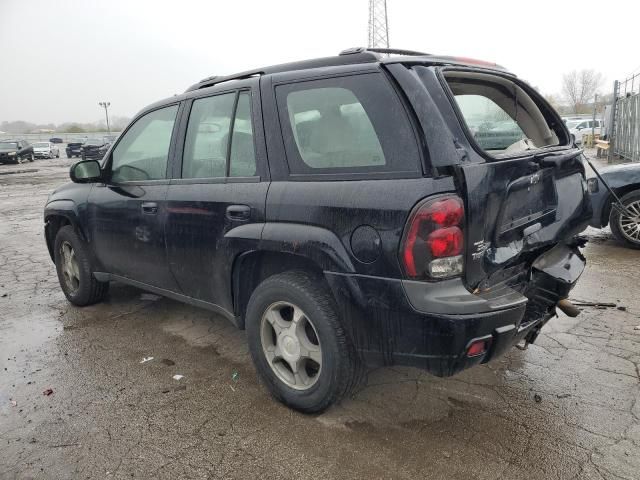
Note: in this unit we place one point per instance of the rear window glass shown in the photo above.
(352, 124)
(502, 118)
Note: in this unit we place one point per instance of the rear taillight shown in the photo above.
(434, 240)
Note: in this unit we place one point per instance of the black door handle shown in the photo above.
(238, 212)
(150, 208)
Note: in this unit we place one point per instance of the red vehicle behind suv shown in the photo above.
(342, 211)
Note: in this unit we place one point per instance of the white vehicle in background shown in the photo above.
(577, 128)
(45, 150)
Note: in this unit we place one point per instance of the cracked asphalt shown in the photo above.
(566, 408)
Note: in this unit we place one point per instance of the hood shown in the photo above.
(623, 167)
(41, 149)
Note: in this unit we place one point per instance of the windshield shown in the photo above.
(573, 123)
(8, 145)
(41, 145)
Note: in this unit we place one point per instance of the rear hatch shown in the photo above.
(522, 182)
(524, 187)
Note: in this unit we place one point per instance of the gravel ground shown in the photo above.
(565, 408)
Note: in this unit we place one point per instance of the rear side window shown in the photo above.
(500, 115)
(353, 124)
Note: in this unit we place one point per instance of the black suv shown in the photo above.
(16, 151)
(343, 211)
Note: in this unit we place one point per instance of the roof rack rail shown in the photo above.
(390, 51)
(359, 57)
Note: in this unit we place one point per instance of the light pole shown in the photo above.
(106, 105)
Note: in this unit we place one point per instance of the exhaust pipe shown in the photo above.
(568, 308)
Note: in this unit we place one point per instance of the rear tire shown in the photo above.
(75, 273)
(625, 229)
(325, 361)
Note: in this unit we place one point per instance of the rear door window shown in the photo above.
(501, 116)
(207, 140)
(353, 124)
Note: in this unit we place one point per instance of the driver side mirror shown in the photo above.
(86, 171)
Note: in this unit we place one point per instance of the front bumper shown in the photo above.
(389, 327)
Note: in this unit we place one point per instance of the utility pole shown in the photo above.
(106, 105)
(593, 125)
(378, 24)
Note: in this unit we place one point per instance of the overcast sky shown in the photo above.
(60, 57)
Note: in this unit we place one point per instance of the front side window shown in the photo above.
(143, 151)
(353, 124)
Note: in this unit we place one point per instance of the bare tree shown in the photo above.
(579, 88)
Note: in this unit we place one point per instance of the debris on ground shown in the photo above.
(177, 377)
(13, 403)
(563, 395)
(637, 327)
(150, 297)
(235, 376)
(4, 295)
(146, 359)
(537, 398)
(622, 309)
(48, 392)
(579, 303)
(167, 362)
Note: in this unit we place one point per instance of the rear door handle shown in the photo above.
(150, 208)
(238, 212)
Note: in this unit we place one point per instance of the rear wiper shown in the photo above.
(617, 204)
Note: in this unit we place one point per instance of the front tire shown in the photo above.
(624, 228)
(74, 269)
(298, 344)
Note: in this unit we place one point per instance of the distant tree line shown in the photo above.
(20, 126)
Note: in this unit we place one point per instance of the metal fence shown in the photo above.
(626, 124)
(44, 137)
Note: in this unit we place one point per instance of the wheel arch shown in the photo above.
(58, 214)
(283, 247)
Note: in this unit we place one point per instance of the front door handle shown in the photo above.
(238, 212)
(149, 208)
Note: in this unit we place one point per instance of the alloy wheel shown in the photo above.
(291, 345)
(630, 226)
(70, 269)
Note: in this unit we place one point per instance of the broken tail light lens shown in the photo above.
(434, 240)
(477, 348)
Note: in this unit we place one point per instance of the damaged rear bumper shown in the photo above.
(432, 325)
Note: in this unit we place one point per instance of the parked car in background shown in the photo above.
(15, 151)
(95, 148)
(74, 147)
(624, 180)
(379, 231)
(577, 128)
(46, 150)
(56, 140)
